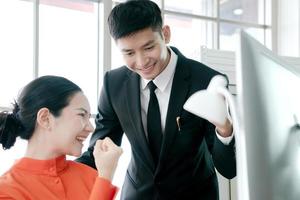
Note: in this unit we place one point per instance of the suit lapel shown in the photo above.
(179, 91)
(134, 110)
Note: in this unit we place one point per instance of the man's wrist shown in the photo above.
(225, 140)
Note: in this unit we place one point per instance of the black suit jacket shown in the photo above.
(188, 156)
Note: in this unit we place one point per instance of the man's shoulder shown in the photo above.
(194, 66)
(199, 74)
(118, 74)
(197, 68)
(119, 71)
(117, 79)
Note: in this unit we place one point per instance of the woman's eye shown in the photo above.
(85, 115)
(82, 114)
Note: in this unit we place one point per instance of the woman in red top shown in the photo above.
(53, 114)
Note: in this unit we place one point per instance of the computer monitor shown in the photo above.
(268, 103)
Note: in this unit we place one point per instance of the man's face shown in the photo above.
(145, 52)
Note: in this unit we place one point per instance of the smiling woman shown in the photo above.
(53, 114)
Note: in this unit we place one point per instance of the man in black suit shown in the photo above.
(174, 158)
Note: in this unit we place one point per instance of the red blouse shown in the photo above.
(54, 179)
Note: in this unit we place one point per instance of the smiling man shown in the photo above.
(173, 152)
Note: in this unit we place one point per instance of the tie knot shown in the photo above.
(152, 86)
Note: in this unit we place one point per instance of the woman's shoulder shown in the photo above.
(8, 188)
(7, 178)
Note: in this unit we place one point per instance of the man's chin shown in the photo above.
(147, 76)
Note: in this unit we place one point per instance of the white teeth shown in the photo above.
(150, 66)
(146, 68)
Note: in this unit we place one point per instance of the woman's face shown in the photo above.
(72, 127)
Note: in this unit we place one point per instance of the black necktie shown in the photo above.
(154, 123)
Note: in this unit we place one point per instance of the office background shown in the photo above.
(70, 38)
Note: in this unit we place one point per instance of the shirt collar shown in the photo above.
(50, 167)
(162, 80)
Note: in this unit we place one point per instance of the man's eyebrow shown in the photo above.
(126, 50)
(150, 42)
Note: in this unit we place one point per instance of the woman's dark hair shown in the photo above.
(132, 16)
(52, 92)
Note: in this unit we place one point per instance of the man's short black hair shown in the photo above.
(132, 16)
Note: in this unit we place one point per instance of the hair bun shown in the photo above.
(10, 129)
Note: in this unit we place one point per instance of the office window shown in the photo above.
(117, 58)
(198, 7)
(229, 33)
(251, 11)
(16, 63)
(253, 16)
(188, 33)
(217, 27)
(16, 48)
(68, 43)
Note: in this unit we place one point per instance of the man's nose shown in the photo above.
(140, 60)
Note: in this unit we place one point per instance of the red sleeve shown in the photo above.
(103, 189)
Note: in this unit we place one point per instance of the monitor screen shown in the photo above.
(268, 100)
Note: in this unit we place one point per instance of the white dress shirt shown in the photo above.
(164, 84)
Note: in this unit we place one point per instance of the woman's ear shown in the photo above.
(166, 33)
(43, 118)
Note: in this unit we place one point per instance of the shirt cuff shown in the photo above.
(103, 189)
(225, 140)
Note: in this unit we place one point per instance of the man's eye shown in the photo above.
(128, 53)
(149, 48)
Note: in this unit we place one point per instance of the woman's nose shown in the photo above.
(89, 126)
